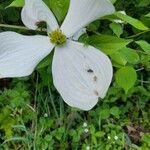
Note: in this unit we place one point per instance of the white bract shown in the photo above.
(80, 74)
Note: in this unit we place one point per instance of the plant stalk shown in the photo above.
(21, 27)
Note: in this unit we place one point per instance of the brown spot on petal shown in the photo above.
(95, 78)
(96, 93)
(90, 71)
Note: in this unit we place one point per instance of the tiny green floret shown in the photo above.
(57, 37)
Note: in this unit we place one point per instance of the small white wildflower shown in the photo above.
(86, 130)
(45, 115)
(88, 148)
(116, 137)
(109, 137)
(84, 124)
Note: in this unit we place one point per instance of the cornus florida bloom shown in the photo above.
(80, 74)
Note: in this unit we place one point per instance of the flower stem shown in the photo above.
(138, 34)
(21, 27)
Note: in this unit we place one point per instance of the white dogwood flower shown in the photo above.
(80, 74)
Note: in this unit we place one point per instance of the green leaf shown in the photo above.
(125, 55)
(93, 26)
(46, 61)
(115, 111)
(144, 45)
(104, 113)
(116, 28)
(147, 15)
(108, 44)
(15, 139)
(126, 78)
(144, 3)
(119, 58)
(17, 3)
(12, 15)
(134, 22)
(59, 8)
(113, 1)
(130, 55)
(100, 134)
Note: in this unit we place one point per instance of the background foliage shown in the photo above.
(34, 116)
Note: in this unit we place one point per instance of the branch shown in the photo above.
(21, 27)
